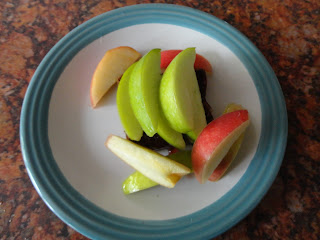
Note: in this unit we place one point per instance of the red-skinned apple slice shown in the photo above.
(215, 140)
(200, 63)
(109, 70)
(232, 153)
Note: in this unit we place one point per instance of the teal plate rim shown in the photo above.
(96, 223)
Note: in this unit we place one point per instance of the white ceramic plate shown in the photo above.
(63, 137)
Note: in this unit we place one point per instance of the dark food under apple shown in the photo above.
(156, 142)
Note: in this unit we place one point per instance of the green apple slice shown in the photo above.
(156, 167)
(180, 95)
(129, 121)
(138, 182)
(144, 91)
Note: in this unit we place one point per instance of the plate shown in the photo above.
(62, 137)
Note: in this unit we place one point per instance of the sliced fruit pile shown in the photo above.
(168, 105)
(159, 95)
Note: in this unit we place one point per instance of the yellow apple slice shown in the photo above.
(109, 70)
(151, 164)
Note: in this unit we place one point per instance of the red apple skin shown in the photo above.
(211, 138)
(200, 62)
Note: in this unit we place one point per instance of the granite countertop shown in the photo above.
(287, 33)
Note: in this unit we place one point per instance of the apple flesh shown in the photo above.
(215, 140)
(180, 95)
(227, 160)
(200, 62)
(138, 182)
(232, 153)
(151, 164)
(128, 119)
(109, 70)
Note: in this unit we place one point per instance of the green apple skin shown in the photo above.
(199, 119)
(128, 119)
(144, 91)
(170, 135)
(138, 182)
(180, 95)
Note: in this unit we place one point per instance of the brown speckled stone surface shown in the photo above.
(288, 34)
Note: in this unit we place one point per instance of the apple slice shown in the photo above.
(138, 182)
(215, 141)
(109, 70)
(144, 91)
(232, 153)
(200, 63)
(128, 119)
(180, 95)
(151, 164)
